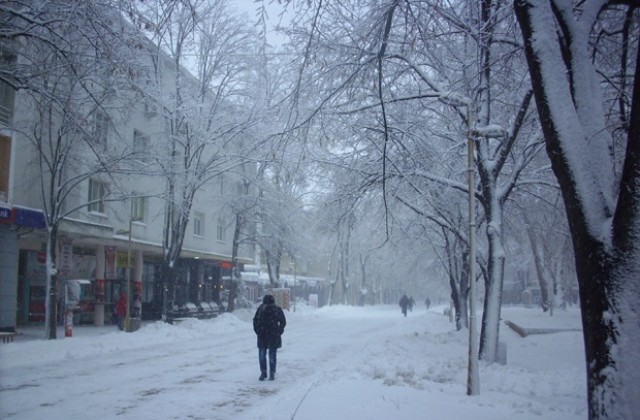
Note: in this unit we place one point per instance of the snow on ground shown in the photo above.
(337, 362)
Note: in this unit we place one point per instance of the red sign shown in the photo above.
(41, 256)
(225, 265)
(100, 286)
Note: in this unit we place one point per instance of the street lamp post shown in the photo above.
(128, 316)
(292, 264)
(493, 131)
(473, 378)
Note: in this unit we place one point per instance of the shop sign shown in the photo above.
(126, 260)
(5, 215)
(110, 264)
(28, 217)
(66, 257)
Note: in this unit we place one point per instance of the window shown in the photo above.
(149, 274)
(138, 206)
(100, 128)
(221, 185)
(198, 224)
(221, 229)
(97, 192)
(5, 164)
(7, 93)
(6, 103)
(140, 144)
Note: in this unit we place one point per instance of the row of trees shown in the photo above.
(395, 87)
(350, 141)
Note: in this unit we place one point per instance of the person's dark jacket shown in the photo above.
(269, 323)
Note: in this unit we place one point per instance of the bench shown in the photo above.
(208, 310)
(204, 310)
(175, 321)
(7, 337)
(523, 332)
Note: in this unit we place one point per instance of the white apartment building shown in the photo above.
(116, 218)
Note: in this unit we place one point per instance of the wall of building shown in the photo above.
(111, 229)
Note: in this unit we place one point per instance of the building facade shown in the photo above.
(113, 215)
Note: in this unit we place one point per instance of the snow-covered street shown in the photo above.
(337, 362)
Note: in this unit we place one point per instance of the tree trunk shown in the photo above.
(490, 332)
(168, 288)
(363, 287)
(234, 262)
(51, 304)
(606, 261)
(539, 264)
(460, 291)
(345, 266)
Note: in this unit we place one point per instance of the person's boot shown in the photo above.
(272, 376)
(263, 376)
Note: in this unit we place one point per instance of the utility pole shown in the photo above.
(473, 379)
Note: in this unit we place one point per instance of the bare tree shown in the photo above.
(388, 55)
(201, 118)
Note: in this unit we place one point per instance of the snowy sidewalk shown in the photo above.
(338, 362)
(30, 333)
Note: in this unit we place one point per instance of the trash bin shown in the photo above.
(134, 324)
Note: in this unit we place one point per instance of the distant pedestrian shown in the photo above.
(268, 324)
(427, 302)
(404, 304)
(121, 310)
(136, 307)
(411, 303)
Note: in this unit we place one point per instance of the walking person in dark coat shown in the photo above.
(404, 303)
(268, 324)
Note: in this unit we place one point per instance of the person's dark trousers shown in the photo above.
(262, 358)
